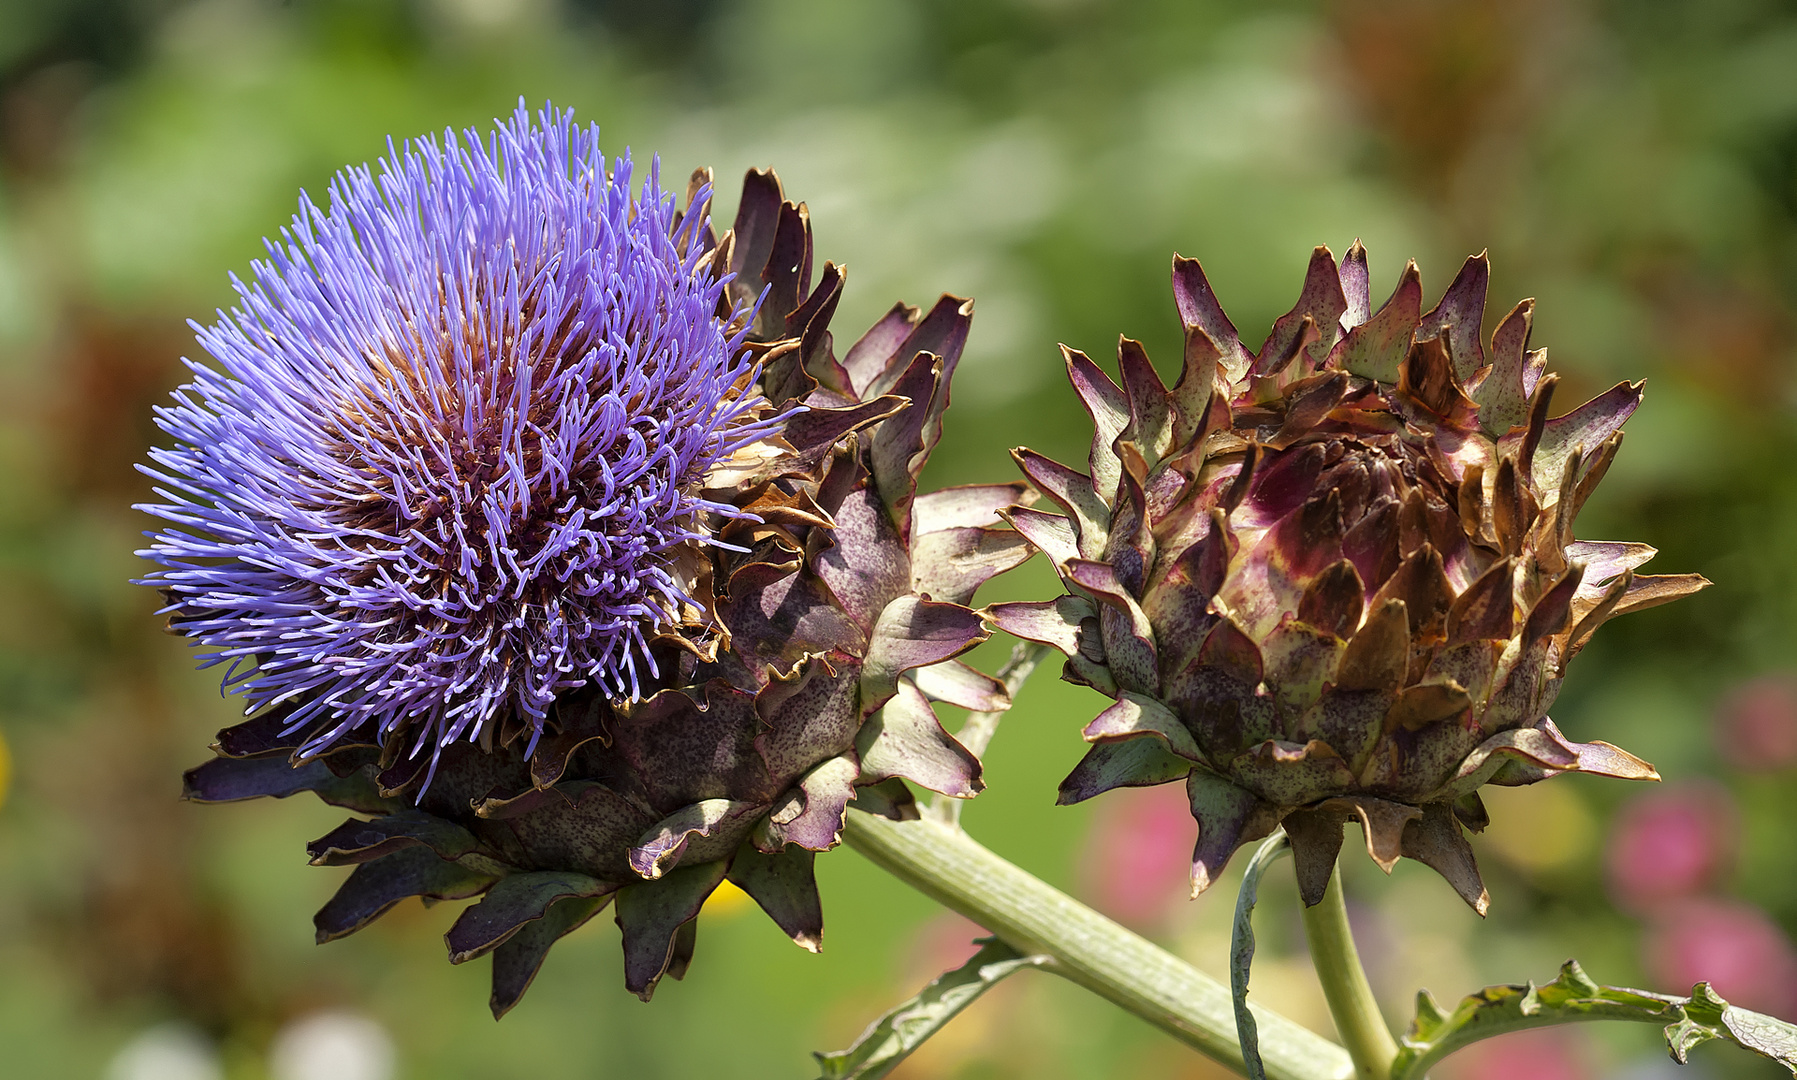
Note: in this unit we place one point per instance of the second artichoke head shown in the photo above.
(1335, 579)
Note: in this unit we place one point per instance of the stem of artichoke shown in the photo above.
(1350, 996)
(1034, 918)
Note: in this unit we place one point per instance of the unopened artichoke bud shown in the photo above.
(547, 530)
(1335, 579)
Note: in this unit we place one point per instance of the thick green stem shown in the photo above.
(1087, 948)
(1351, 1003)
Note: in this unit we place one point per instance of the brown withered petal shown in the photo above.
(1343, 563)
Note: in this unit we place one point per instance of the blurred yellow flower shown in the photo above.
(1542, 828)
(727, 900)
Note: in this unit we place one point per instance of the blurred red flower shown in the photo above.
(943, 943)
(1136, 865)
(1756, 724)
(1670, 844)
(1536, 1055)
(1732, 945)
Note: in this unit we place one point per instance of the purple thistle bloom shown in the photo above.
(801, 678)
(457, 441)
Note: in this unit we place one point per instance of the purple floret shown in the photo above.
(455, 435)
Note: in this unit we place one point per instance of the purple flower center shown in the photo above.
(454, 440)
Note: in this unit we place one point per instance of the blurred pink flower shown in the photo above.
(943, 943)
(1733, 945)
(1136, 863)
(1756, 724)
(1534, 1055)
(1670, 844)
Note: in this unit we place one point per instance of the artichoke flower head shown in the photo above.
(545, 528)
(1336, 579)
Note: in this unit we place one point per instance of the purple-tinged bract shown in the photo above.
(454, 441)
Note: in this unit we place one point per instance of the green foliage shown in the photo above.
(891, 1038)
(1241, 949)
(1573, 998)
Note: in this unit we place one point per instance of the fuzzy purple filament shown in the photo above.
(459, 425)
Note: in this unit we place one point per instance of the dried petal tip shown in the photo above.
(1335, 580)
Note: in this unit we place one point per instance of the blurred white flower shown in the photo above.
(171, 1051)
(332, 1046)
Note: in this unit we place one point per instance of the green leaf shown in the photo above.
(1241, 950)
(1574, 997)
(891, 1038)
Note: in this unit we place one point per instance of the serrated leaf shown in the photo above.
(1573, 997)
(892, 1038)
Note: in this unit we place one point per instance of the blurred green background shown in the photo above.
(1633, 165)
